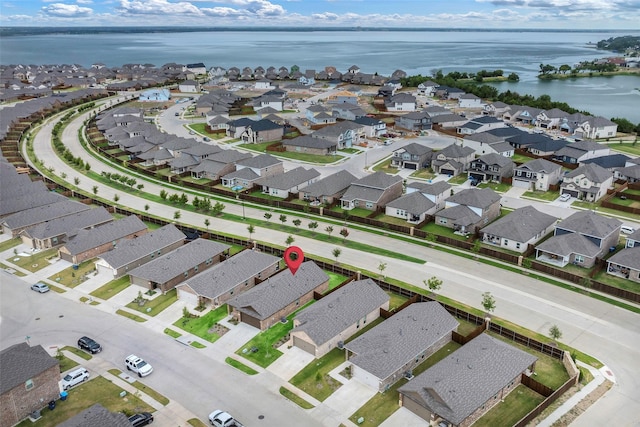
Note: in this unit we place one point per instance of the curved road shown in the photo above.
(604, 331)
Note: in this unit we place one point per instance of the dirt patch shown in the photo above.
(218, 329)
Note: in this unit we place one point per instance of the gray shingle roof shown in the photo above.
(593, 172)
(69, 223)
(434, 189)
(415, 203)
(475, 197)
(568, 244)
(404, 336)
(16, 187)
(455, 151)
(330, 185)
(280, 290)
(29, 201)
(590, 223)
(462, 382)
(540, 165)
(460, 214)
(110, 232)
(495, 159)
(97, 415)
(309, 142)
(628, 257)
(228, 156)
(415, 149)
(335, 130)
(209, 166)
(20, 363)
(44, 213)
(340, 310)
(130, 250)
(521, 225)
(260, 161)
(179, 260)
(290, 179)
(223, 277)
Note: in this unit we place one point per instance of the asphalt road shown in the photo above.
(606, 332)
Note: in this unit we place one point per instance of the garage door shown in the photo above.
(571, 193)
(249, 320)
(447, 172)
(304, 345)
(521, 184)
(187, 297)
(413, 166)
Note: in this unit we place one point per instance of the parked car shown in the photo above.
(138, 365)
(177, 114)
(141, 419)
(74, 377)
(627, 229)
(565, 197)
(220, 418)
(87, 344)
(40, 287)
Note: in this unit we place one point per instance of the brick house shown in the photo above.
(28, 382)
(372, 191)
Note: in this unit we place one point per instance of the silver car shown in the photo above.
(40, 287)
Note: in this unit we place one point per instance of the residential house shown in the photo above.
(611, 162)
(467, 383)
(310, 145)
(588, 182)
(578, 152)
(264, 84)
(495, 109)
(550, 119)
(437, 192)
(625, 264)
(97, 415)
(373, 128)
(537, 174)
(633, 239)
(216, 285)
(412, 156)
(427, 88)
(372, 192)
(27, 201)
(486, 143)
(517, 230)
(630, 172)
(596, 128)
(271, 301)
(15, 223)
(219, 164)
(343, 97)
(579, 239)
(319, 115)
(344, 134)
(163, 272)
(57, 231)
(391, 350)
(197, 68)
(268, 101)
(292, 181)
(522, 114)
(546, 147)
(29, 380)
(480, 124)
(414, 121)
(250, 170)
(401, 102)
(88, 244)
(189, 86)
(327, 190)
(131, 253)
(262, 131)
(452, 160)
(491, 167)
(329, 322)
(469, 210)
(412, 207)
(347, 111)
(448, 121)
(469, 100)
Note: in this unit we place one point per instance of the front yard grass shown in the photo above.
(131, 316)
(8, 244)
(295, 398)
(314, 379)
(143, 388)
(65, 363)
(240, 366)
(35, 262)
(85, 395)
(71, 277)
(111, 288)
(385, 166)
(76, 351)
(497, 187)
(200, 326)
(195, 422)
(516, 405)
(458, 179)
(155, 306)
(15, 272)
(260, 350)
(545, 196)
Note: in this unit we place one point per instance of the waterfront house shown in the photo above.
(579, 151)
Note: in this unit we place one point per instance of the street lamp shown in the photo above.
(242, 202)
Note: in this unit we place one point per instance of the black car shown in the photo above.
(86, 343)
(141, 419)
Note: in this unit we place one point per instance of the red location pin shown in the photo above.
(293, 257)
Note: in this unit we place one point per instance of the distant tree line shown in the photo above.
(620, 44)
(590, 66)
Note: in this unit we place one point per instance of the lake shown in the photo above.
(416, 52)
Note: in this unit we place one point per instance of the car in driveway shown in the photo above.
(141, 419)
(74, 378)
(565, 197)
(40, 287)
(88, 344)
(625, 229)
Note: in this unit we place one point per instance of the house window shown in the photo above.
(195, 269)
(28, 384)
(579, 259)
(506, 242)
(517, 245)
(369, 205)
(442, 220)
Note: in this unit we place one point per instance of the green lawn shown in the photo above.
(110, 289)
(131, 316)
(15, 272)
(350, 151)
(309, 158)
(71, 277)
(629, 148)
(618, 282)
(516, 405)
(424, 174)
(458, 179)
(34, 262)
(396, 300)
(85, 395)
(172, 333)
(434, 228)
(240, 366)
(11, 243)
(295, 398)
(545, 196)
(155, 306)
(195, 422)
(82, 354)
(265, 354)
(499, 188)
(314, 378)
(335, 279)
(385, 166)
(66, 363)
(199, 326)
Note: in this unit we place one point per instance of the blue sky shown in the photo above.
(565, 14)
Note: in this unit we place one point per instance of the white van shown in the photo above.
(627, 229)
(74, 377)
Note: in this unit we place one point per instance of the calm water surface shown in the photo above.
(416, 52)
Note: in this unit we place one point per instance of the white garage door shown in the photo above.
(187, 297)
(521, 184)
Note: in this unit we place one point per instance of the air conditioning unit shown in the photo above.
(340, 345)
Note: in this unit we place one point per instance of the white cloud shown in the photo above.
(62, 10)
(158, 7)
(84, 1)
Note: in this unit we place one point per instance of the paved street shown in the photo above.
(594, 327)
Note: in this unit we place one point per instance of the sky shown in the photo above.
(555, 14)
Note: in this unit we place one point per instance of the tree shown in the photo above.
(163, 194)
(76, 180)
(296, 222)
(382, 266)
(283, 219)
(207, 223)
(174, 198)
(63, 175)
(131, 182)
(140, 186)
(183, 199)
(434, 284)
(217, 209)
(312, 226)
(289, 240)
(87, 167)
(268, 215)
(336, 253)
(564, 68)
(555, 333)
(488, 302)
(146, 207)
(251, 229)
(329, 229)
(513, 77)
(95, 189)
(177, 215)
(116, 198)
(344, 233)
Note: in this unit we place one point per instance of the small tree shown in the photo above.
(177, 215)
(382, 266)
(283, 219)
(146, 207)
(312, 226)
(289, 240)
(344, 233)
(140, 186)
(476, 246)
(183, 199)
(336, 253)
(207, 223)
(297, 222)
(488, 302)
(251, 229)
(555, 333)
(63, 175)
(268, 215)
(163, 194)
(217, 209)
(95, 189)
(116, 198)
(76, 180)
(329, 229)
(434, 284)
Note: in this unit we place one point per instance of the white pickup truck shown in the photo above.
(137, 365)
(220, 418)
